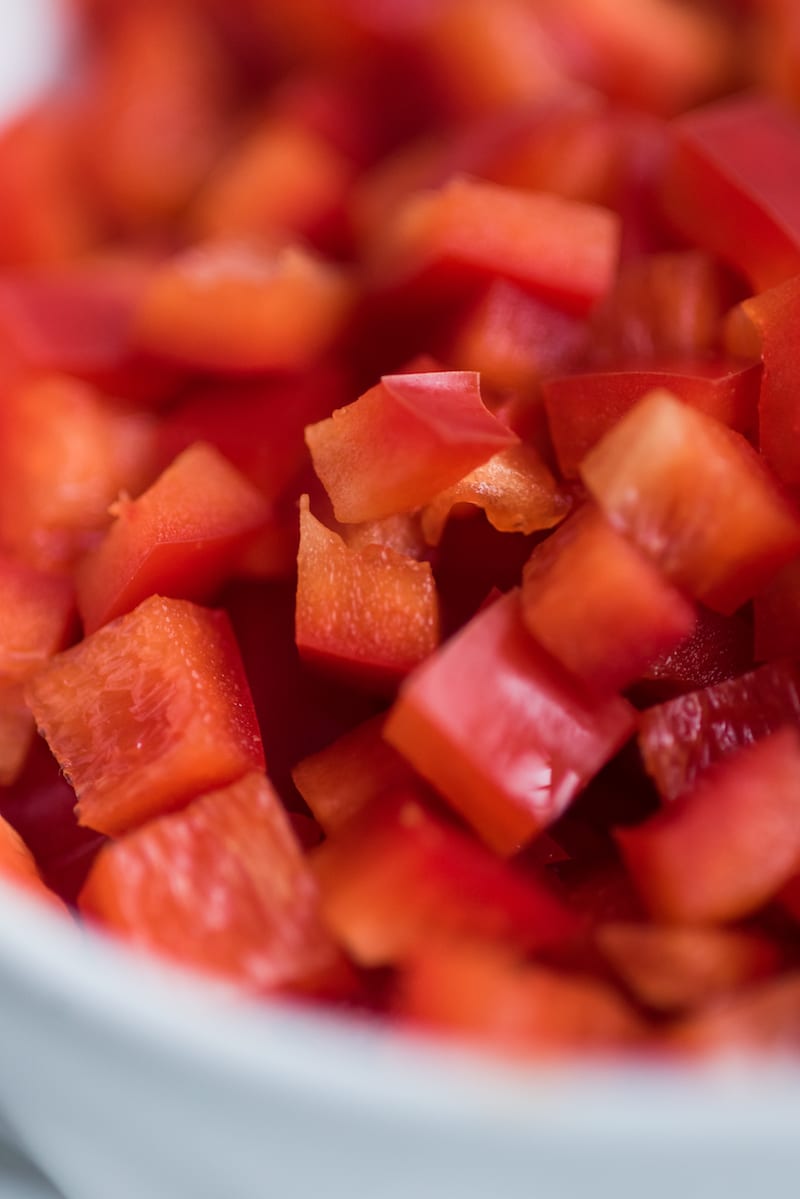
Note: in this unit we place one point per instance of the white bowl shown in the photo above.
(33, 35)
(126, 1080)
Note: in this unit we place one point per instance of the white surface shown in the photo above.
(19, 1179)
(32, 34)
(129, 1083)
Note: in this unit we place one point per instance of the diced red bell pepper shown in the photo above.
(515, 1008)
(36, 614)
(681, 738)
(396, 879)
(340, 780)
(696, 498)
(40, 805)
(776, 41)
(776, 616)
(599, 890)
(17, 865)
(152, 117)
(402, 533)
(221, 886)
(599, 606)
(17, 731)
(403, 442)
(47, 216)
(501, 730)
(724, 848)
(773, 320)
(732, 185)
(331, 106)
(181, 538)
(720, 648)
(572, 145)
(280, 179)
(492, 55)
(257, 424)
(672, 969)
(78, 319)
(788, 897)
(762, 1019)
(655, 55)
(583, 407)
(515, 489)
(513, 340)
(370, 612)
(148, 712)
(562, 251)
(576, 145)
(243, 308)
(300, 709)
(667, 305)
(65, 456)
(328, 30)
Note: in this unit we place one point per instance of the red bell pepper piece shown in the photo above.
(501, 730)
(40, 805)
(493, 55)
(723, 849)
(341, 779)
(733, 186)
(300, 709)
(154, 100)
(65, 456)
(77, 319)
(682, 737)
(403, 442)
(584, 406)
(47, 215)
(36, 614)
(17, 730)
(370, 612)
(696, 498)
(257, 424)
(243, 307)
(17, 865)
(396, 879)
(759, 1020)
(148, 712)
(664, 306)
(513, 339)
(653, 54)
(720, 648)
(599, 606)
(514, 1008)
(776, 36)
(281, 179)
(515, 489)
(221, 886)
(673, 969)
(562, 251)
(773, 319)
(182, 538)
(776, 616)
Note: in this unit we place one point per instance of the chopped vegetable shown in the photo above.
(399, 528)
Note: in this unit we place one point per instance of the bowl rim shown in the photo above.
(330, 1058)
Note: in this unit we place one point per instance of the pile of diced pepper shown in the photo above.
(399, 540)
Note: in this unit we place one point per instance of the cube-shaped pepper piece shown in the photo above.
(148, 712)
